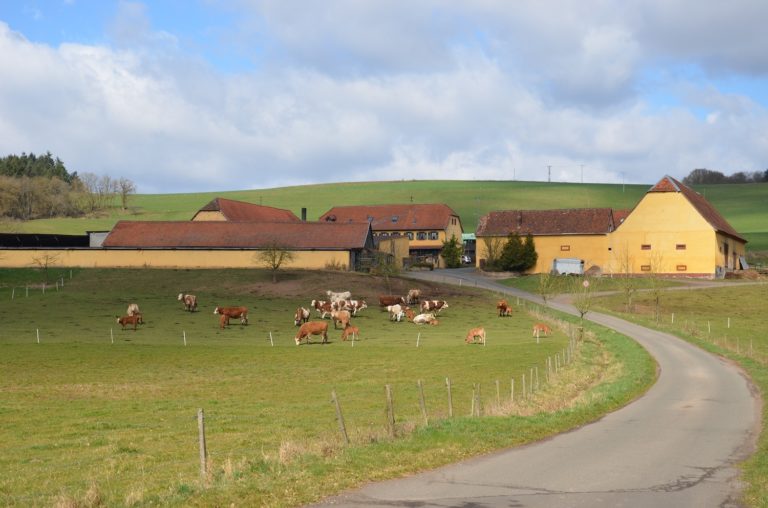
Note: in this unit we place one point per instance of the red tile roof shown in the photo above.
(575, 221)
(237, 235)
(406, 217)
(242, 211)
(704, 207)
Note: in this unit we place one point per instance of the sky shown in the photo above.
(215, 95)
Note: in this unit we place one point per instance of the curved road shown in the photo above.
(676, 446)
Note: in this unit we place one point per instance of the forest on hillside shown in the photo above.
(35, 187)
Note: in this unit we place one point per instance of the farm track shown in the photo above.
(675, 446)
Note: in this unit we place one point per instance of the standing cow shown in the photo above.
(312, 328)
(189, 301)
(301, 316)
(228, 313)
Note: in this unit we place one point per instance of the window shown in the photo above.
(433, 235)
(646, 246)
(409, 235)
(682, 268)
(394, 218)
(645, 268)
(680, 246)
(421, 235)
(565, 247)
(384, 235)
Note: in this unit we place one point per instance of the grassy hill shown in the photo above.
(743, 205)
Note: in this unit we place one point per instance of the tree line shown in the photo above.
(37, 187)
(708, 176)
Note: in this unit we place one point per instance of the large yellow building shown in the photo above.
(672, 231)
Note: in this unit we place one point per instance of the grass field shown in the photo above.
(728, 321)
(94, 415)
(742, 205)
(561, 285)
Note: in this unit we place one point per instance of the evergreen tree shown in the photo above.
(451, 252)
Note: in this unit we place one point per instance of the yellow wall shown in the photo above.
(397, 246)
(102, 258)
(209, 216)
(590, 248)
(443, 235)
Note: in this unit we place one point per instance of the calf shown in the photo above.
(340, 316)
(129, 320)
(433, 306)
(475, 333)
(350, 331)
(396, 312)
(231, 313)
(312, 328)
(300, 316)
(409, 314)
(541, 329)
(133, 308)
(189, 301)
(386, 300)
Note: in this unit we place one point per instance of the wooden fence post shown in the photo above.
(340, 416)
(422, 403)
(450, 398)
(512, 390)
(478, 409)
(498, 394)
(201, 441)
(390, 411)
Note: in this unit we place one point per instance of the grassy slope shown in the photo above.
(742, 205)
(703, 318)
(79, 411)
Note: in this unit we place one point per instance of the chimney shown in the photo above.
(303, 215)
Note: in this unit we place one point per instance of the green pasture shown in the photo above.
(565, 284)
(95, 413)
(729, 321)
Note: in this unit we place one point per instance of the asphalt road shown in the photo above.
(677, 446)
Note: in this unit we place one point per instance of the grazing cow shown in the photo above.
(301, 316)
(433, 306)
(413, 296)
(475, 333)
(424, 319)
(133, 308)
(356, 306)
(541, 329)
(340, 316)
(350, 331)
(189, 301)
(504, 308)
(232, 313)
(396, 312)
(386, 300)
(129, 320)
(336, 296)
(312, 328)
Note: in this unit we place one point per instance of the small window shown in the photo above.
(682, 268)
(410, 235)
(646, 246)
(394, 218)
(565, 247)
(384, 235)
(680, 246)
(645, 268)
(421, 235)
(433, 235)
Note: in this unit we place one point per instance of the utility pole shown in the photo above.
(582, 173)
(549, 174)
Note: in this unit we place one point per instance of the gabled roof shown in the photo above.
(405, 217)
(237, 235)
(704, 207)
(574, 221)
(241, 211)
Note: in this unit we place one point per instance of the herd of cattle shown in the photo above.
(340, 308)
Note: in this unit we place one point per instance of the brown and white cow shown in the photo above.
(189, 301)
(340, 316)
(413, 296)
(129, 320)
(503, 308)
(312, 328)
(322, 307)
(228, 313)
(396, 312)
(355, 306)
(475, 333)
(300, 316)
(133, 308)
(387, 300)
(425, 319)
(434, 306)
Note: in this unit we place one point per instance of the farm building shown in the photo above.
(426, 226)
(672, 231)
(221, 209)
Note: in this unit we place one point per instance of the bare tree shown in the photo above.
(274, 257)
(582, 298)
(655, 270)
(494, 248)
(548, 286)
(627, 282)
(44, 262)
(125, 188)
